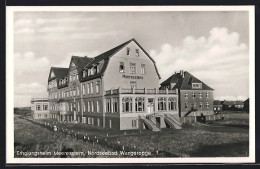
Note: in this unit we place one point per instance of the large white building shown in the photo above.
(117, 89)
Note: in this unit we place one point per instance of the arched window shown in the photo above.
(139, 104)
(127, 104)
(172, 103)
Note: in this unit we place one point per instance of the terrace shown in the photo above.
(139, 91)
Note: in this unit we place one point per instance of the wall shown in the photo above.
(113, 78)
(196, 100)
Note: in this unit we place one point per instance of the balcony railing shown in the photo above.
(139, 91)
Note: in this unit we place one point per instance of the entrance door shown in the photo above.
(158, 122)
(150, 105)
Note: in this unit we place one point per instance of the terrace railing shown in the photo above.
(139, 91)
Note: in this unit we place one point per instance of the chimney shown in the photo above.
(182, 73)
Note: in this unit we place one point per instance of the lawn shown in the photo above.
(228, 138)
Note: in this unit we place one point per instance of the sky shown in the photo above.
(213, 46)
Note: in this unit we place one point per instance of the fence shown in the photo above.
(192, 119)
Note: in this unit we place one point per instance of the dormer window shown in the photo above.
(128, 51)
(66, 79)
(84, 73)
(60, 81)
(137, 52)
(196, 85)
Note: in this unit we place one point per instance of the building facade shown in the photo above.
(40, 108)
(118, 89)
(217, 107)
(195, 97)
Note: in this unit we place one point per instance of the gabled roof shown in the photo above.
(81, 62)
(108, 54)
(59, 72)
(185, 83)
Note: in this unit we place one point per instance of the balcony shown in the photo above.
(139, 91)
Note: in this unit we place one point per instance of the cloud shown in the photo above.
(23, 93)
(27, 62)
(219, 59)
(41, 21)
(23, 22)
(24, 31)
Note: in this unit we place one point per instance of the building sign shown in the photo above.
(132, 77)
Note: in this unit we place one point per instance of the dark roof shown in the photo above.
(216, 102)
(230, 103)
(81, 62)
(106, 56)
(185, 83)
(59, 72)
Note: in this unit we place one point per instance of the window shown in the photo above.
(139, 104)
(132, 68)
(207, 104)
(193, 94)
(70, 93)
(200, 94)
(71, 107)
(91, 87)
(137, 52)
(201, 105)
(98, 68)
(84, 73)
(207, 95)
(193, 105)
(67, 93)
(78, 90)
(133, 84)
(127, 104)
(115, 105)
(71, 78)
(98, 107)
(127, 51)
(108, 105)
(88, 86)
(89, 120)
(77, 76)
(110, 123)
(142, 68)
(162, 103)
(92, 121)
(196, 85)
(97, 86)
(84, 107)
(83, 89)
(134, 123)
(186, 95)
(218, 108)
(92, 106)
(45, 106)
(74, 92)
(38, 106)
(186, 105)
(215, 108)
(88, 106)
(78, 107)
(121, 67)
(98, 122)
(172, 103)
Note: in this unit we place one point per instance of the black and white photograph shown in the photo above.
(130, 84)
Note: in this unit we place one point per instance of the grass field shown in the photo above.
(228, 138)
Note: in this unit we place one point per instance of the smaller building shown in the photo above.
(217, 107)
(233, 105)
(40, 108)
